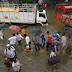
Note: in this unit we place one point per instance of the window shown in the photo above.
(42, 15)
(59, 10)
(68, 11)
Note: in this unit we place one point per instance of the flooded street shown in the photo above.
(37, 62)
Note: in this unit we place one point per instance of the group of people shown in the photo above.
(52, 44)
(10, 57)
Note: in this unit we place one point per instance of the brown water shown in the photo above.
(38, 62)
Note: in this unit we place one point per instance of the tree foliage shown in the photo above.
(27, 1)
(47, 1)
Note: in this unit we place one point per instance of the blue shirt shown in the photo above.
(44, 41)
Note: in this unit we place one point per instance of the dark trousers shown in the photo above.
(13, 45)
(19, 42)
(30, 45)
(16, 71)
(47, 46)
(37, 45)
(13, 59)
(9, 66)
(3, 36)
(51, 47)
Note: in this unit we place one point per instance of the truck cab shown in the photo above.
(62, 9)
(42, 18)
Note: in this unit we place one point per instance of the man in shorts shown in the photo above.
(10, 52)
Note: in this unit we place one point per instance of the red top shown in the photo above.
(49, 37)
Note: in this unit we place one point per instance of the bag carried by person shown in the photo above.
(54, 60)
(55, 34)
(1, 37)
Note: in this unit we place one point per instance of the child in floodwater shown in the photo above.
(7, 62)
(43, 41)
(16, 65)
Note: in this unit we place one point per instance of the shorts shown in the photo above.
(51, 47)
(14, 58)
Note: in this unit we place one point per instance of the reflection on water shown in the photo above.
(38, 61)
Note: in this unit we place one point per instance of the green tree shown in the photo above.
(27, 1)
(47, 1)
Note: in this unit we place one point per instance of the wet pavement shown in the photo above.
(38, 61)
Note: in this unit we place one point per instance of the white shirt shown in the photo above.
(16, 66)
(10, 52)
(63, 40)
(12, 39)
(1, 34)
(58, 35)
(66, 0)
(40, 1)
(27, 39)
(19, 37)
(52, 54)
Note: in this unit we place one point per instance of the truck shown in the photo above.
(23, 14)
(62, 9)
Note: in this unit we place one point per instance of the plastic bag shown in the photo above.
(54, 35)
(1, 37)
(13, 64)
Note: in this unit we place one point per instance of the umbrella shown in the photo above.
(36, 30)
(25, 26)
(14, 27)
(2, 26)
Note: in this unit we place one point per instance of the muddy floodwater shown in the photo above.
(38, 61)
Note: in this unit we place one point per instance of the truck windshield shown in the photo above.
(59, 10)
(68, 11)
(42, 15)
